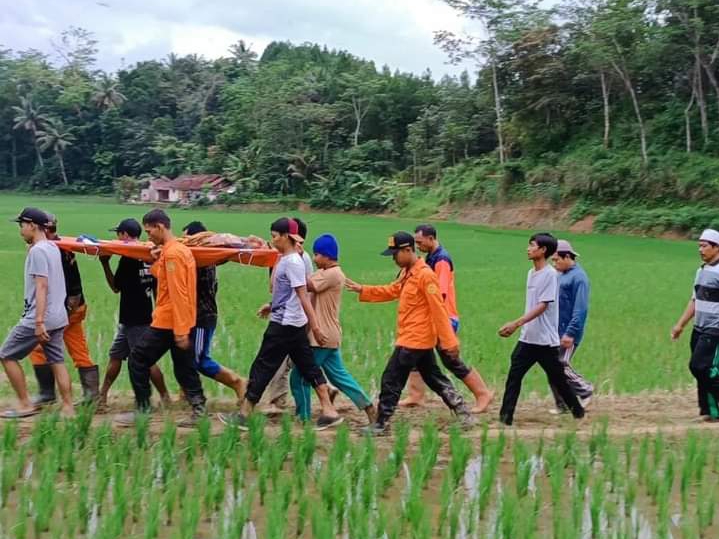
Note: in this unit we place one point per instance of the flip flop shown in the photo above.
(15, 414)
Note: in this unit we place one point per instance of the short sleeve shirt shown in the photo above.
(706, 299)
(136, 285)
(326, 301)
(44, 260)
(542, 287)
(290, 273)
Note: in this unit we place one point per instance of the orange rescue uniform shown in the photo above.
(422, 317)
(446, 287)
(176, 304)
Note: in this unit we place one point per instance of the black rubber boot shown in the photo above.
(90, 382)
(46, 386)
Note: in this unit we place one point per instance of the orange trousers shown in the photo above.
(75, 341)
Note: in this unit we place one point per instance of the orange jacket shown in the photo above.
(446, 287)
(176, 305)
(422, 318)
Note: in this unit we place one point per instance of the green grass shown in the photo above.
(639, 287)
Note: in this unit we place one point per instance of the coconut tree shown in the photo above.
(56, 138)
(30, 118)
(106, 94)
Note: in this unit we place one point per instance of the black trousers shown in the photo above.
(704, 365)
(456, 366)
(394, 378)
(278, 342)
(524, 357)
(148, 351)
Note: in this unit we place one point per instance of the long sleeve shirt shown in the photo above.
(441, 263)
(422, 317)
(176, 305)
(573, 302)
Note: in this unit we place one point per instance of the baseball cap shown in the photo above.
(563, 246)
(326, 245)
(288, 226)
(398, 241)
(32, 215)
(130, 226)
(710, 235)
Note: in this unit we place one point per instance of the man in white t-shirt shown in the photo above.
(539, 338)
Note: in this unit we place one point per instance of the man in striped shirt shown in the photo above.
(704, 308)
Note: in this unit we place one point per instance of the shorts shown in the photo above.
(22, 340)
(125, 340)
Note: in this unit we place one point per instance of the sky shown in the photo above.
(398, 33)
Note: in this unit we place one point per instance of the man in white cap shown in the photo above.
(704, 308)
(573, 309)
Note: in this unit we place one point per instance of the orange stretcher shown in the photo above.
(204, 256)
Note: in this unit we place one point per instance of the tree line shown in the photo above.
(596, 100)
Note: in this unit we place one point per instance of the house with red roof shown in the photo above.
(186, 188)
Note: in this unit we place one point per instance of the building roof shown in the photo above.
(190, 182)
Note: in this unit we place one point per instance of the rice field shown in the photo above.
(547, 478)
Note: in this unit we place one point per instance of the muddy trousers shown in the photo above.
(401, 363)
(576, 381)
(704, 365)
(524, 357)
(154, 344)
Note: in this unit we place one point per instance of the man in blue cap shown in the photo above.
(326, 285)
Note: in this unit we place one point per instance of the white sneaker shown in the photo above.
(585, 402)
(558, 411)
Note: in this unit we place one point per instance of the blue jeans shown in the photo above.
(330, 361)
(202, 337)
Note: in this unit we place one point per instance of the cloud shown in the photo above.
(397, 33)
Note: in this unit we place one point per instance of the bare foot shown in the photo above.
(240, 388)
(483, 403)
(371, 412)
(411, 402)
(67, 411)
(166, 400)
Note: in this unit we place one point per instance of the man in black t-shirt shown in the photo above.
(206, 324)
(136, 285)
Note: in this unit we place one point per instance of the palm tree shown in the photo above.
(106, 94)
(31, 119)
(56, 138)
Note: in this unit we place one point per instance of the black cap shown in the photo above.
(195, 227)
(397, 241)
(130, 226)
(32, 215)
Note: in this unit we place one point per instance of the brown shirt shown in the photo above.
(326, 301)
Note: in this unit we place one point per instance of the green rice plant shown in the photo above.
(43, 431)
(299, 467)
(659, 449)
(555, 470)
(426, 457)
(83, 505)
(610, 459)
(167, 451)
(445, 498)
(570, 449)
(358, 521)
(303, 506)
(190, 448)
(277, 515)
(340, 492)
(508, 514)
(700, 460)
(596, 506)
(256, 437)
(8, 478)
(628, 448)
(599, 439)
(169, 500)
(379, 526)
(580, 486)
(81, 425)
(204, 427)
(392, 466)
(309, 444)
(20, 528)
(190, 519)
(142, 429)
(9, 437)
(322, 523)
(240, 515)
(642, 460)
(262, 476)
(460, 452)
(490, 467)
(522, 468)
(44, 499)
(669, 471)
(663, 518)
(152, 515)
(284, 441)
(455, 511)
(630, 497)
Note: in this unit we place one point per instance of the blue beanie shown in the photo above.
(326, 245)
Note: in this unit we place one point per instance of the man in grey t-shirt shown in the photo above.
(539, 338)
(44, 316)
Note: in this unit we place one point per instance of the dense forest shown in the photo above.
(612, 105)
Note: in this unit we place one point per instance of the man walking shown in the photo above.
(172, 321)
(441, 263)
(74, 335)
(422, 323)
(134, 282)
(703, 307)
(206, 325)
(290, 314)
(326, 286)
(573, 309)
(539, 338)
(43, 319)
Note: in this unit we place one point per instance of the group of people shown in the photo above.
(170, 306)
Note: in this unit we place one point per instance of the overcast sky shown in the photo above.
(398, 33)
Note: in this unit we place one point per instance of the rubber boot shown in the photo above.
(482, 395)
(234, 381)
(90, 382)
(416, 388)
(46, 386)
